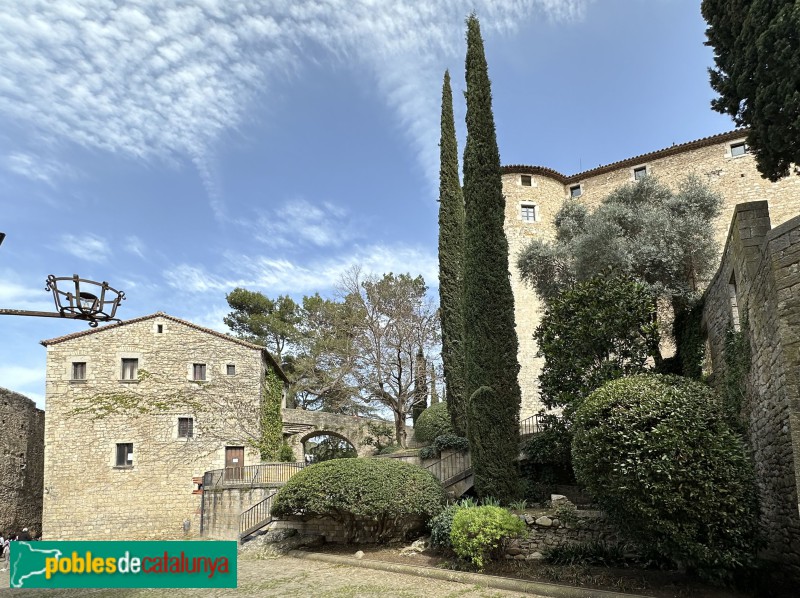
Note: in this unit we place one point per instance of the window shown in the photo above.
(739, 149)
(575, 191)
(525, 180)
(199, 371)
(639, 173)
(231, 369)
(528, 212)
(125, 454)
(159, 328)
(130, 369)
(185, 427)
(737, 326)
(79, 370)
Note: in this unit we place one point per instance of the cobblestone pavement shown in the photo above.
(289, 577)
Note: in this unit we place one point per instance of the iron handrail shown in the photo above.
(451, 467)
(256, 516)
(261, 473)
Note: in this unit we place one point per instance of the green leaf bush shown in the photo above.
(659, 456)
(478, 534)
(433, 422)
(390, 493)
(441, 525)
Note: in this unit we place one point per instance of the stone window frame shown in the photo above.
(191, 428)
(525, 177)
(125, 356)
(69, 371)
(159, 328)
(190, 366)
(571, 191)
(736, 144)
(525, 205)
(639, 168)
(115, 455)
(227, 372)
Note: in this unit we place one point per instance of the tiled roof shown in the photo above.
(161, 314)
(662, 153)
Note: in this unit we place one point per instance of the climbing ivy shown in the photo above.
(271, 424)
(737, 366)
(689, 339)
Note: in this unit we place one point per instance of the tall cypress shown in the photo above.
(451, 252)
(490, 338)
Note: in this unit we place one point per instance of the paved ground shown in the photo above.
(289, 577)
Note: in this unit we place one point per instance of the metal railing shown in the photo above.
(256, 517)
(452, 468)
(262, 473)
(536, 423)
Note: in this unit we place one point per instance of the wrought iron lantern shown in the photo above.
(78, 299)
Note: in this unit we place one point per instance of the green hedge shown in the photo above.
(658, 454)
(388, 491)
(433, 422)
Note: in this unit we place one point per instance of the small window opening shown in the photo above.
(185, 427)
(199, 371)
(739, 149)
(525, 180)
(737, 326)
(79, 370)
(231, 369)
(639, 173)
(575, 191)
(125, 454)
(528, 212)
(160, 328)
(130, 369)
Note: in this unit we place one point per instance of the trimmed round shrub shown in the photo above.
(397, 497)
(433, 422)
(478, 534)
(658, 455)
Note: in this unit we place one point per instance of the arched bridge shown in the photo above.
(299, 425)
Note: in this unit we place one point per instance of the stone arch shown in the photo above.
(299, 425)
(303, 438)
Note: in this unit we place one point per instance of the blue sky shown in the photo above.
(178, 150)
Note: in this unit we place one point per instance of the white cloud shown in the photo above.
(301, 222)
(277, 276)
(15, 295)
(134, 245)
(86, 247)
(17, 376)
(36, 168)
(164, 79)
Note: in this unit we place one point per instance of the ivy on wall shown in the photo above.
(271, 424)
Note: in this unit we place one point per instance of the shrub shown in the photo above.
(286, 454)
(657, 453)
(445, 442)
(592, 553)
(441, 525)
(389, 492)
(433, 422)
(479, 533)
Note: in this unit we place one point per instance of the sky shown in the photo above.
(178, 150)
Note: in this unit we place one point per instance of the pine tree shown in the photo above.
(490, 338)
(757, 56)
(451, 277)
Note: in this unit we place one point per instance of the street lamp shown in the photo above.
(83, 299)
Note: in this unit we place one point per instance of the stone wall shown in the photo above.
(300, 425)
(21, 462)
(735, 177)
(758, 285)
(86, 494)
(548, 532)
(223, 506)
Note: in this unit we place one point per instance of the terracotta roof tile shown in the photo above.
(662, 153)
(161, 314)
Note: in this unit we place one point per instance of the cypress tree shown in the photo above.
(451, 250)
(420, 386)
(490, 339)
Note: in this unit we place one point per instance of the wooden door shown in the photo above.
(234, 462)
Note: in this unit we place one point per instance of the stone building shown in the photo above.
(21, 462)
(757, 291)
(136, 413)
(534, 195)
